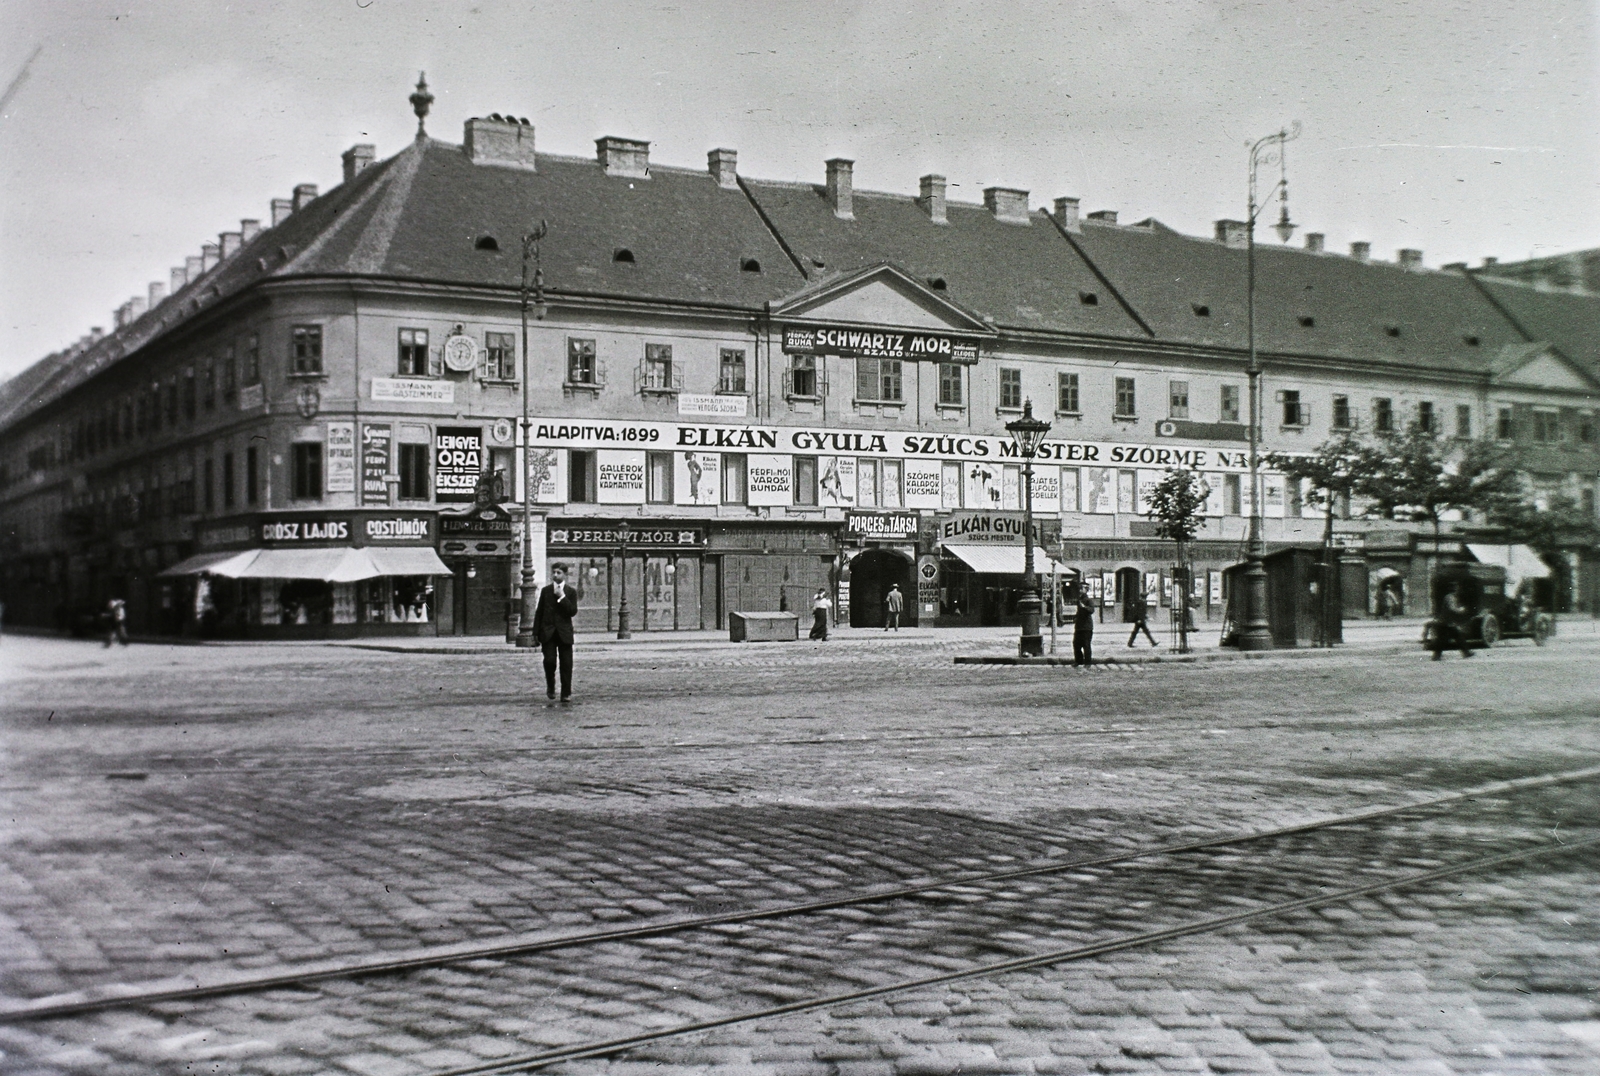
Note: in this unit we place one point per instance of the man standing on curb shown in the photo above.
(893, 605)
(552, 626)
(1083, 632)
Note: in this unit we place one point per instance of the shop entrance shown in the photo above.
(872, 573)
(482, 588)
(1129, 583)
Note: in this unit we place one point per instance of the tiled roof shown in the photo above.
(1568, 320)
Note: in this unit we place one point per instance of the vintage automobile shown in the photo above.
(1490, 614)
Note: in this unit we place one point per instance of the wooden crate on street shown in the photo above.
(763, 627)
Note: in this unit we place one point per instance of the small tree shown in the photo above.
(1177, 505)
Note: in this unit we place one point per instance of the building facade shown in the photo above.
(739, 392)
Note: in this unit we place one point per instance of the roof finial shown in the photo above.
(420, 102)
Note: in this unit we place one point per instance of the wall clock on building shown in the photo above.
(460, 353)
(308, 401)
(501, 431)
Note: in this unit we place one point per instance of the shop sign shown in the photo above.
(619, 477)
(769, 480)
(492, 521)
(457, 462)
(252, 397)
(228, 534)
(610, 535)
(296, 531)
(881, 344)
(375, 441)
(972, 528)
(895, 525)
(339, 458)
(731, 406)
(413, 390)
(392, 529)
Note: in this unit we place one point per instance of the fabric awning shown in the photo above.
(216, 563)
(1519, 561)
(331, 565)
(406, 560)
(1001, 559)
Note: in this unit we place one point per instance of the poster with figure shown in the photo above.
(950, 484)
(547, 475)
(983, 483)
(1272, 496)
(697, 478)
(1069, 489)
(1126, 502)
(1011, 488)
(1100, 491)
(922, 484)
(836, 481)
(1215, 504)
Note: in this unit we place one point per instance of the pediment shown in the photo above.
(1546, 369)
(883, 296)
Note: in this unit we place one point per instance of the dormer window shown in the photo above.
(622, 256)
(1088, 298)
(937, 283)
(1392, 330)
(1471, 341)
(749, 265)
(1307, 321)
(1201, 310)
(487, 242)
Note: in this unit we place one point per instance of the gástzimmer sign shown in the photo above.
(881, 344)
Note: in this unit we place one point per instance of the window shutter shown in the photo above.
(436, 360)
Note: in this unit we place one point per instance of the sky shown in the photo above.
(1463, 128)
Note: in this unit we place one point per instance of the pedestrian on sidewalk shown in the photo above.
(893, 605)
(116, 622)
(820, 608)
(552, 626)
(1141, 611)
(1083, 632)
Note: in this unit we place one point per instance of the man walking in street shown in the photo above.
(893, 605)
(552, 626)
(1140, 609)
(1083, 632)
(116, 622)
(1450, 629)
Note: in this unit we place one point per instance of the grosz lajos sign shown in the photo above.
(881, 344)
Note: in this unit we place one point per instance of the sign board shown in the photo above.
(881, 344)
(339, 458)
(251, 397)
(375, 446)
(606, 534)
(457, 463)
(490, 521)
(619, 476)
(412, 390)
(898, 526)
(730, 406)
(971, 528)
(320, 529)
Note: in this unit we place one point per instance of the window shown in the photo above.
(1586, 432)
(305, 350)
(1294, 412)
(252, 360)
(733, 477)
(413, 360)
(210, 485)
(878, 379)
(307, 471)
(1010, 390)
(1067, 394)
(189, 396)
(1178, 399)
(657, 375)
(1463, 420)
(1125, 399)
(580, 362)
(1341, 412)
(1588, 500)
(658, 477)
(1504, 427)
(170, 407)
(1546, 427)
(730, 370)
(1229, 410)
(581, 475)
(1383, 415)
(803, 376)
(499, 357)
(1426, 418)
(251, 475)
(227, 480)
(208, 387)
(950, 384)
(414, 473)
(805, 480)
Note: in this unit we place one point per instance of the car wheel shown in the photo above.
(1491, 629)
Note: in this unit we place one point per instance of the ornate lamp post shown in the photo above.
(535, 299)
(1254, 631)
(624, 629)
(1028, 433)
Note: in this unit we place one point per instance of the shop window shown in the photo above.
(805, 480)
(227, 480)
(867, 483)
(889, 483)
(803, 376)
(1504, 427)
(251, 359)
(304, 601)
(252, 475)
(1426, 417)
(1341, 412)
(950, 384)
(413, 357)
(657, 374)
(1463, 420)
(305, 350)
(499, 357)
(208, 387)
(307, 471)
(410, 599)
(730, 370)
(414, 468)
(1546, 427)
(1177, 399)
(582, 473)
(1228, 411)
(1295, 413)
(1010, 389)
(658, 477)
(1383, 414)
(1067, 394)
(878, 380)
(734, 466)
(1126, 401)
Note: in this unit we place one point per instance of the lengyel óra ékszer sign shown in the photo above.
(881, 344)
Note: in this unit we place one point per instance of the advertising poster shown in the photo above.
(889, 495)
(547, 475)
(1100, 491)
(1272, 496)
(770, 479)
(619, 476)
(1214, 500)
(1126, 501)
(1213, 587)
(1152, 587)
(457, 463)
(376, 438)
(1148, 481)
(698, 477)
(339, 455)
(983, 481)
(1069, 489)
(1108, 589)
(1047, 490)
(1011, 488)
(920, 482)
(836, 481)
(950, 485)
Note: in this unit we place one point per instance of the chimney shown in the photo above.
(304, 193)
(841, 187)
(1489, 263)
(231, 242)
(357, 159)
(210, 255)
(499, 140)
(1409, 258)
(1314, 242)
(623, 157)
(932, 198)
(1104, 216)
(119, 316)
(1454, 267)
(136, 308)
(724, 167)
(158, 292)
(1007, 204)
(1360, 250)
(193, 266)
(1067, 214)
(1233, 233)
(95, 334)
(180, 277)
(249, 229)
(281, 208)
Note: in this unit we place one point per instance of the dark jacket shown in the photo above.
(1083, 619)
(552, 619)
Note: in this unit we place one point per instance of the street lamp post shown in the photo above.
(530, 596)
(1028, 432)
(1254, 631)
(624, 629)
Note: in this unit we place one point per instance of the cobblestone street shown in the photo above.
(199, 815)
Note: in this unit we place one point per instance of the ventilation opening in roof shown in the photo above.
(1201, 310)
(487, 242)
(1088, 298)
(749, 265)
(937, 283)
(1307, 321)
(623, 256)
(1392, 330)
(819, 263)
(1472, 341)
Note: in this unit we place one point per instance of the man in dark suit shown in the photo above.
(552, 626)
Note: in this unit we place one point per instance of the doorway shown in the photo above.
(872, 573)
(1130, 584)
